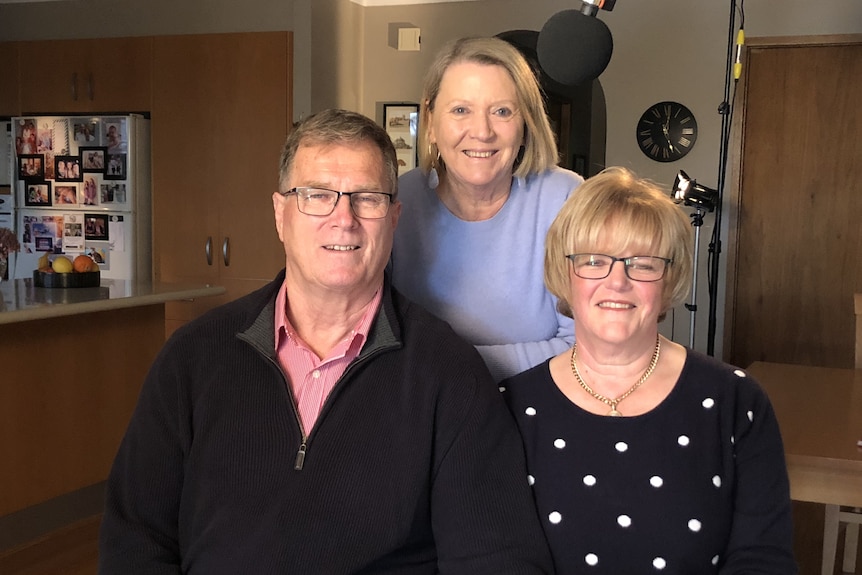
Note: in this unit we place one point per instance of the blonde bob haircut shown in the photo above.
(540, 147)
(617, 213)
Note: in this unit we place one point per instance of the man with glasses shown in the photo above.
(323, 424)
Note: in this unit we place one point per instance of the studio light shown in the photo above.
(690, 193)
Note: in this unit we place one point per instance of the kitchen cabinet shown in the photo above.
(221, 111)
(9, 103)
(101, 75)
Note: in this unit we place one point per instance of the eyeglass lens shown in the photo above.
(322, 202)
(638, 268)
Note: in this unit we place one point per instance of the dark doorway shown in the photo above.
(577, 113)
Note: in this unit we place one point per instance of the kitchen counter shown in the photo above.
(22, 301)
(72, 362)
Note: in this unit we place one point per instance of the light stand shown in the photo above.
(690, 193)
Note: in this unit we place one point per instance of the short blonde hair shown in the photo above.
(540, 147)
(625, 212)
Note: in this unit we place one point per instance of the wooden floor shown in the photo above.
(72, 550)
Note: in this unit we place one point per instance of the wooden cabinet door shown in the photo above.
(117, 75)
(221, 111)
(108, 75)
(255, 98)
(9, 103)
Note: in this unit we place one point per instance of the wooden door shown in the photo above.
(796, 240)
(109, 75)
(9, 103)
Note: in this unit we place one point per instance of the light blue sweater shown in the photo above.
(486, 278)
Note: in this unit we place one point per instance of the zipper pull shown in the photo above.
(300, 457)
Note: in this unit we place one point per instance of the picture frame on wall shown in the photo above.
(401, 122)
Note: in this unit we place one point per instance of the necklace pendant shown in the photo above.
(614, 413)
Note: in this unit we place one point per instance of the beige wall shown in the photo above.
(674, 49)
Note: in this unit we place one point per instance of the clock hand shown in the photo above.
(666, 132)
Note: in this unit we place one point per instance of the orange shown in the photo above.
(84, 263)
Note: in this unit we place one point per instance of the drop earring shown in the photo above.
(433, 176)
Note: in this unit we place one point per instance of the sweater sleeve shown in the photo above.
(483, 516)
(139, 531)
(506, 360)
(761, 535)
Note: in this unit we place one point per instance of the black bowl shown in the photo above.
(68, 280)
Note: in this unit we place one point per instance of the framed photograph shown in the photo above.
(31, 167)
(86, 132)
(115, 167)
(65, 194)
(93, 159)
(89, 191)
(96, 227)
(68, 169)
(38, 194)
(401, 121)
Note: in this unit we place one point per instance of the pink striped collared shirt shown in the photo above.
(311, 378)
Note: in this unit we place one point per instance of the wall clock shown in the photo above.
(666, 131)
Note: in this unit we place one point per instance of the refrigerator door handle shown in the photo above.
(209, 250)
(225, 251)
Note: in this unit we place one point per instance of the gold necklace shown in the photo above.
(612, 403)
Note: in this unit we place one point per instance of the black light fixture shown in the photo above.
(688, 192)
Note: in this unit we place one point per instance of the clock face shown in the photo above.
(666, 132)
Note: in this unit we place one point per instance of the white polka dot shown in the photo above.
(656, 481)
(621, 446)
(589, 480)
(559, 443)
(502, 388)
(708, 403)
(750, 415)
(683, 440)
(739, 373)
(530, 411)
(531, 480)
(624, 521)
(659, 563)
(694, 525)
(715, 560)
(555, 517)
(716, 480)
(591, 559)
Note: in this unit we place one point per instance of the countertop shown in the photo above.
(22, 301)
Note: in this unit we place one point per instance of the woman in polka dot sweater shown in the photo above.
(644, 456)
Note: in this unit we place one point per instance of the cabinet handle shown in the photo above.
(90, 86)
(209, 250)
(75, 86)
(225, 251)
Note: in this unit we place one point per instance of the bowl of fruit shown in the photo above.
(62, 272)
